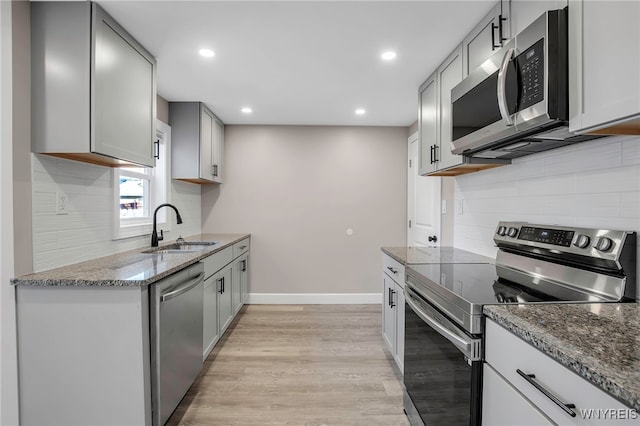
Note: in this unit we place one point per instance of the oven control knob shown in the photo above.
(502, 230)
(582, 241)
(604, 244)
(512, 232)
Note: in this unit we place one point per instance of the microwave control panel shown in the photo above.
(530, 65)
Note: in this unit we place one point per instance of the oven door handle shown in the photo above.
(502, 87)
(469, 347)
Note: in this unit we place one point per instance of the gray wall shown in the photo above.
(162, 109)
(413, 128)
(298, 189)
(22, 137)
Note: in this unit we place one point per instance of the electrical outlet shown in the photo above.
(61, 203)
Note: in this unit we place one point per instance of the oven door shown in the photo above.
(442, 367)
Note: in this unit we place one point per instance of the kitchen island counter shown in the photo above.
(424, 255)
(600, 341)
(129, 268)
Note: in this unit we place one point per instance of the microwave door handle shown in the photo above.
(502, 87)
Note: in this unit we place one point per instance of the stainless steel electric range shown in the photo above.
(444, 323)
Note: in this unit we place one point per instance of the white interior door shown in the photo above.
(423, 200)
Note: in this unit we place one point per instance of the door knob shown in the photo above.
(433, 239)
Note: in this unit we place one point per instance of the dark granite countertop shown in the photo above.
(598, 341)
(129, 268)
(424, 255)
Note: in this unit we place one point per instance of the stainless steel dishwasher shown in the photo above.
(176, 338)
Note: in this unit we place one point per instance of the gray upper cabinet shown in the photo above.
(487, 37)
(434, 97)
(434, 123)
(604, 65)
(524, 12)
(197, 143)
(449, 74)
(428, 124)
(93, 87)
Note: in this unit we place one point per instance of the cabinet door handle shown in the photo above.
(220, 280)
(500, 36)
(395, 271)
(389, 296)
(215, 170)
(567, 408)
(391, 302)
(435, 153)
(494, 46)
(431, 149)
(244, 266)
(157, 146)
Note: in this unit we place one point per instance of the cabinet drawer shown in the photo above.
(240, 247)
(217, 261)
(394, 269)
(507, 353)
(502, 405)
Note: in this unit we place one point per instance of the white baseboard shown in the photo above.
(314, 298)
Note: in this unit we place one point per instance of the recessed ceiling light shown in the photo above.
(360, 111)
(388, 56)
(207, 53)
(247, 110)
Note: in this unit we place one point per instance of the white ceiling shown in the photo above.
(299, 62)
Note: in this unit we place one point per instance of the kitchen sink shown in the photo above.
(186, 247)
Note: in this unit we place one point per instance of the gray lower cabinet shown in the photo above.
(240, 281)
(511, 397)
(225, 291)
(224, 285)
(103, 108)
(84, 355)
(393, 308)
(210, 316)
(197, 143)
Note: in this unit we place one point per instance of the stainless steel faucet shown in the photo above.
(154, 234)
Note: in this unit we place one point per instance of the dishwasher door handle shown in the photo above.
(183, 288)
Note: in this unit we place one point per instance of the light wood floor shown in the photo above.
(298, 365)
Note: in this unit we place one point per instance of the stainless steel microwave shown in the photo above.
(517, 103)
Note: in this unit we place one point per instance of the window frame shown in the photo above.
(159, 191)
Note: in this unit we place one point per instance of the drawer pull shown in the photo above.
(567, 408)
(242, 247)
(395, 271)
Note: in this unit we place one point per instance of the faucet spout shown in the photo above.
(154, 233)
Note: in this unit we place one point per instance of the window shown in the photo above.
(137, 190)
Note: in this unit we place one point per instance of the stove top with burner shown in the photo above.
(535, 264)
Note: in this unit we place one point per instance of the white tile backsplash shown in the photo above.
(591, 184)
(86, 232)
